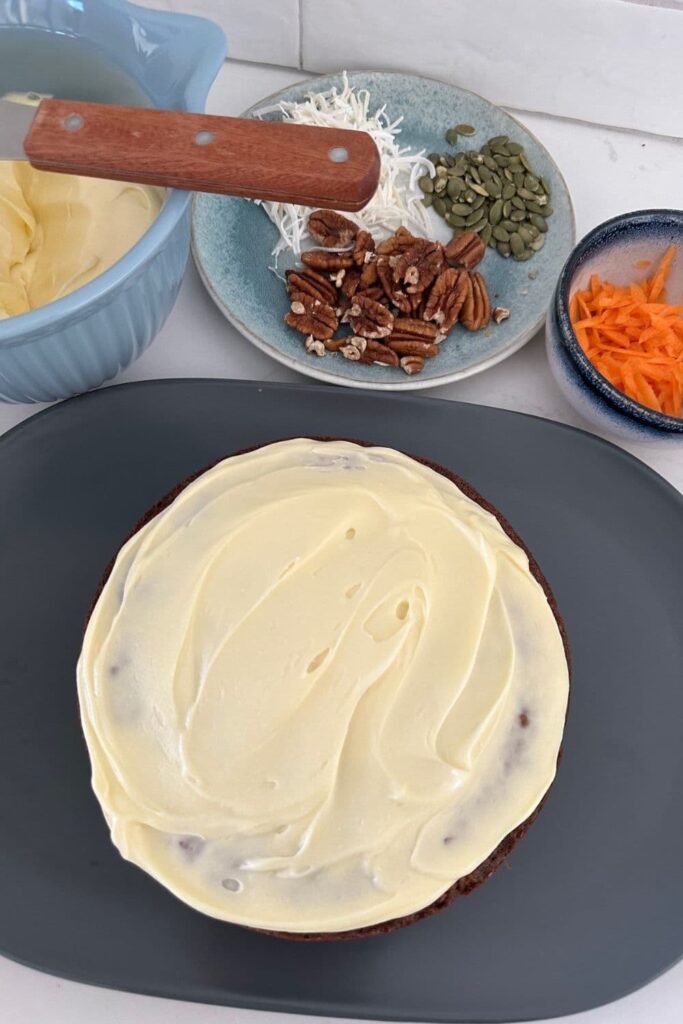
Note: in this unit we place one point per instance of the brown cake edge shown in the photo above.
(469, 882)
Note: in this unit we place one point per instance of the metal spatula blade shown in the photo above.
(15, 121)
(290, 163)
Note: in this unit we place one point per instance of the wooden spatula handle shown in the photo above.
(291, 163)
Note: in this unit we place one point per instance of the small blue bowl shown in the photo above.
(116, 52)
(612, 250)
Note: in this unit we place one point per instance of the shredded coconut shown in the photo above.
(397, 200)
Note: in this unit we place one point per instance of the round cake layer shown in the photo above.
(319, 688)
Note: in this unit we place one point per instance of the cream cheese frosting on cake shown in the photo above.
(319, 687)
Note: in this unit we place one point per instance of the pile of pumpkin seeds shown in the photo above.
(493, 191)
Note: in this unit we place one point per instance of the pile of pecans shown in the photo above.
(399, 299)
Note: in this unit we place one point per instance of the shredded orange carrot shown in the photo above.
(634, 337)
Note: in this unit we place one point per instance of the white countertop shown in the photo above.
(608, 172)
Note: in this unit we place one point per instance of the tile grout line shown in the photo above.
(301, 34)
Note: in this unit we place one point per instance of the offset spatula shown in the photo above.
(290, 163)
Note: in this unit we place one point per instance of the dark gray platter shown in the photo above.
(592, 903)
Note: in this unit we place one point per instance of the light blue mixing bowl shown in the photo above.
(109, 51)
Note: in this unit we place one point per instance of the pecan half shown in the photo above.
(395, 295)
(350, 282)
(413, 348)
(375, 352)
(417, 267)
(330, 228)
(368, 275)
(446, 299)
(465, 250)
(376, 292)
(476, 310)
(320, 259)
(311, 316)
(409, 329)
(396, 243)
(363, 248)
(368, 318)
(412, 364)
(311, 283)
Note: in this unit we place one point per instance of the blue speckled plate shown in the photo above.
(233, 240)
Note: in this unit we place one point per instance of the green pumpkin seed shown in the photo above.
(485, 234)
(507, 174)
(533, 231)
(517, 216)
(544, 185)
(494, 188)
(498, 139)
(427, 199)
(508, 190)
(515, 148)
(531, 182)
(455, 222)
(538, 222)
(518, 203)
(524, 255)
(479, 202)
(462, 209)
(440, 206)
(458, 171)
(490, 163)
(478, 225)
(440, 185)
(500, 149)
(502, 160)
(524, 193)
(524, 232)
(473, 218)
(448, 160)
(484, 174)
(507, 208)
(452, 136)
(543, 211)
(434, 157)
(509, 225)
(518, 179)
(500, 234)
(525, 162)
(516, 244)
(480, 190)
(496, 212)
(537, 243)
(515, 164)
(426, 183)
(470, 196)
(503, 248)
(492, 243)
(454, 188)
(485, 150)
(473, 176)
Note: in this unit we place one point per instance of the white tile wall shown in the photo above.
(265, 31)
(606, 61)
(611, 62)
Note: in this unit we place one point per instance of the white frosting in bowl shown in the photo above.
(320, 687)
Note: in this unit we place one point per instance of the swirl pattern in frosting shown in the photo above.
(320, 687)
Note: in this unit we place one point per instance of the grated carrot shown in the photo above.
(634, 337)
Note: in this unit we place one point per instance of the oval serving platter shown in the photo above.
(232, 242)
(590, 906)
